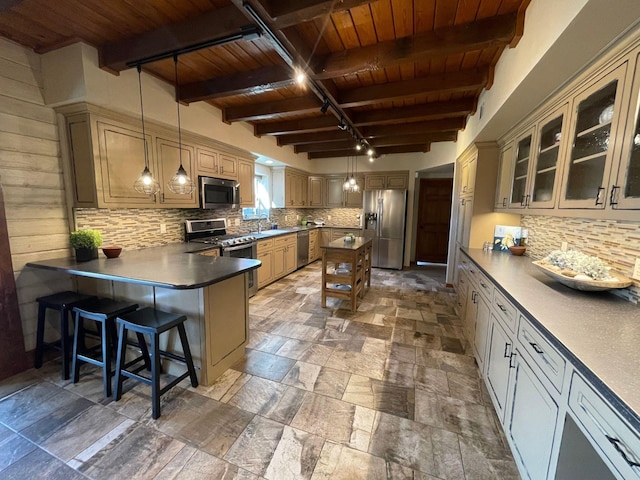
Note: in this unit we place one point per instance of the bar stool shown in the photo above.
(104, 312)
(149, 321)
(63, 303)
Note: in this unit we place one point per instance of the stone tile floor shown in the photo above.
(387, 392)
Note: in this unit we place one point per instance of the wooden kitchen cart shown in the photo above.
(346, 269)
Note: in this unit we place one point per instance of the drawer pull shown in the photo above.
(511, 364)
(536, 348)
(506, 347)
(484, 285)
(616, 444)
(501, 307)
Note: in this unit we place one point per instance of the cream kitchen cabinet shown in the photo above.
(284, 255)
(106, 156)
(503, 185)
(337, 197)
(386, 180)
(498, 369)
(595, 123)
(314, 245)
(536, 169)
(211, 163)
(289, 187)
(246, 173)
(168, 154)
(316, 191)
(265, 255)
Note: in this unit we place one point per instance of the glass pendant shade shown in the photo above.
(145, 183)
(181, 183)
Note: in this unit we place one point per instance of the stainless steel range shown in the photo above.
(214, 232)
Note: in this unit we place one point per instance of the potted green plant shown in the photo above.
(86, 243)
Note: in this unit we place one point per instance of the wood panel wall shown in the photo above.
(32, 181)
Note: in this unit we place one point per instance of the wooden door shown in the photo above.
(13, 358)
(434, 215)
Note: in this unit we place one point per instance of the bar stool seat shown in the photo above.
(103, 311)
(63, 303)
(149, 321)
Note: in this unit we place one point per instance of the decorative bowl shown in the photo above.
(112, 251)
(517, 250)
(579, 283)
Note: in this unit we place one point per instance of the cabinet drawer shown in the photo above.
(545, 356)
(284, 240)
(485, 287)
(609, 434)
(265, 245)
(503, 310)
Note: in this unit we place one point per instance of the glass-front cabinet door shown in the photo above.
(596, 115)
(503, 185)
(545, 173)
(522, 160)
(625, 192)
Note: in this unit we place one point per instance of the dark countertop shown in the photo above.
(597, 331)
(168, 266)
(268, 233)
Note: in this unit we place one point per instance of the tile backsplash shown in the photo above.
(134, 228)
(616, 242)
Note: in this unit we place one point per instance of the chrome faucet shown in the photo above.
(263, 216)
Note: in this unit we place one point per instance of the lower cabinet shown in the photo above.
(265, 255)
(314, 246)
(532, 421)
(498, 367)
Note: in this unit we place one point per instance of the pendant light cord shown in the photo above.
(175, 61)
(144, 137)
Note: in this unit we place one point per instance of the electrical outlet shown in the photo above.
(163, 228)
(297, 217)
(636, 269)
(329, 217)
(237, 222)
(286, 218)
(563, 246)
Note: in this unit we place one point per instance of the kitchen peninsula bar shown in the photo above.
(211, 291)
(346, 267)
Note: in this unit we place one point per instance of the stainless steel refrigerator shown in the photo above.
(385, 213)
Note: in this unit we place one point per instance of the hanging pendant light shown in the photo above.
(145, 182)
(180, 183)
(347, 185)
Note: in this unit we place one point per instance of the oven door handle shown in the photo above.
(238, 247)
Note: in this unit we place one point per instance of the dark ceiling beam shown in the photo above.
(415, 127)
(379, 151)
(316, 137)
(246, 83)
(429, 111)
(397, 140)
(286, 13)
(209, 26)
(269, 110)
(481, 34)
(326, 147)
(8, 4)
(466, 80)
(303, 125)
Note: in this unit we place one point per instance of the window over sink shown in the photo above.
(262, 205)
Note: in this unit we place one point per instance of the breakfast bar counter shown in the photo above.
(211, 291)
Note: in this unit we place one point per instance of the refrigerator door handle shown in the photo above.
(380, 219)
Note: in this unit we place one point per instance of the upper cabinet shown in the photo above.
(386, 180)
(593, 132)
(289, 188)
(581, 150)
(106, 156)
(625, 191)
(316, 191)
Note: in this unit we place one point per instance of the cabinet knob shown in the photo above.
(501, 307)
(598, 201)
(511, 357)
(612, 195)
(507, 345)
(616, 444)
(222, 169)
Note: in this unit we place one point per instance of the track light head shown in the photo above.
(325, 106)
(342, 125)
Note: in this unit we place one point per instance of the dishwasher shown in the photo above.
(303, 248)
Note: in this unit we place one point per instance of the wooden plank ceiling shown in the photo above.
(398, 74)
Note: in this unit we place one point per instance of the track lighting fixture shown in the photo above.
(371, 152)
(342, 125)
(358, 147)
(300, 76)
(325, 107)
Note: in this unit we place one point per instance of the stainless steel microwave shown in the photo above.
(217, 192)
